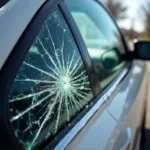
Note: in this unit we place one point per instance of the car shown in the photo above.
(68, 79)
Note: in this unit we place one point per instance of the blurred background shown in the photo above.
(133, 17)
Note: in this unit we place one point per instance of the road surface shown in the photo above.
(146, 145)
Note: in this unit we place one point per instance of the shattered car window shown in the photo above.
(51, 86)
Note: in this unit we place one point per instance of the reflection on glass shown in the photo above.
(99, 33)
(50, 87)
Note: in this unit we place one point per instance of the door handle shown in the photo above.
(124, 140)
(128, 138)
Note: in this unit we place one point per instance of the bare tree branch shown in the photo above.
(146, 12)
(117, 9)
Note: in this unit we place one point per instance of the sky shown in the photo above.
(133, 13)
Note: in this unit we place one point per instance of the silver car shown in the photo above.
(68, 79)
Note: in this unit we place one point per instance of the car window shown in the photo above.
(51, 86)
(101, 37)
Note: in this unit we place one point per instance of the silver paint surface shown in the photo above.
(103, 130)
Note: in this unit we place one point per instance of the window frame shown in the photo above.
(11, 67)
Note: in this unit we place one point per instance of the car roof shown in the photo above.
(14, 17)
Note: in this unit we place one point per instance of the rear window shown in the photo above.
(3, 2)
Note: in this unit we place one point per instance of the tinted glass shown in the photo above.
(51, 86)
(101, 37)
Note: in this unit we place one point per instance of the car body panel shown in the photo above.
(113, 113)
(128, 96)
(128, 104)
(14, 18)
(99, 133)
(125, 96)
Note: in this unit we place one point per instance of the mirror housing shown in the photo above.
(110, 59)
(142, 50)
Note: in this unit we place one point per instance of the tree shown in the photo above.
(131, 31)
(146, 12)
(117, 9)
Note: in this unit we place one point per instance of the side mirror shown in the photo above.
(110, 59)
(142, 50)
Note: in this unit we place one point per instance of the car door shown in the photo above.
(128, 105)
(48, 88)
(103, 40)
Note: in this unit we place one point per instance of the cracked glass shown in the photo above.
(51, 86)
